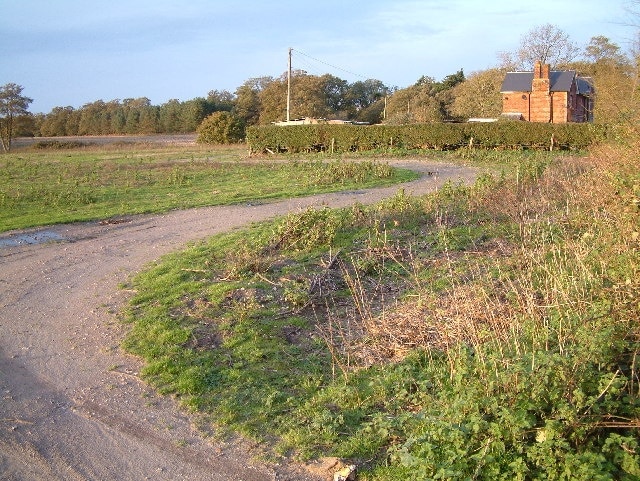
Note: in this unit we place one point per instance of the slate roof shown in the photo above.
(585, 85)
(560, 81)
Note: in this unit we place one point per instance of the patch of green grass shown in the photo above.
(48, 187)
(256, 298)
(483, 332)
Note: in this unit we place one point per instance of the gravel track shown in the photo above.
(73, 406)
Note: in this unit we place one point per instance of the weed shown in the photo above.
(309, 229)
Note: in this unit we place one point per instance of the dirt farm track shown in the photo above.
(72, 404)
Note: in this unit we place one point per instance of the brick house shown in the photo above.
(544, 95)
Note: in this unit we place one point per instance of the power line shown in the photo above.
(310, 67)
(328, 64)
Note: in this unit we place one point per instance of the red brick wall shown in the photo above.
(540, 106)
(561, 111)
(516, 102)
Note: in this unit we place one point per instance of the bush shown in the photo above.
(437, 136)
(221, 128)
(58, 145)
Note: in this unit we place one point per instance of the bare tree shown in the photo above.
(12, 105)
(546, 44)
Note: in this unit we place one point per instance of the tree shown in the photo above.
(415, 104)
(546, 43)
(148, 121)
(221, 128)
(450, 81)
(602, 49)
(479, 95)
(12, 105)
(613, 77)
(425, 101)
(59, 122)
(247, 103)
(317, 97)
(324, 96)
(364, 100)
(170, 113)
(117, 117)
(194, 112)
(93, 120)
(310, 97)
(334, 90)
(372, 114)
(273, 99)
(220, 100)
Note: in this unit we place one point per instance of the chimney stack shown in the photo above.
(541, 71)
(537, 70)
(545, 71)
(540, 99)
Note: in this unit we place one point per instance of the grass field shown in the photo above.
(50, 186)
(484, 332)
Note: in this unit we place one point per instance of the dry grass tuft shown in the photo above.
(572, 220)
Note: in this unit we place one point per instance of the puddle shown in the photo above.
(30, 238)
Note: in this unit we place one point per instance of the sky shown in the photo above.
(73, 52)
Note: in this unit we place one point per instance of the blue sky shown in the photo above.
(71, 52)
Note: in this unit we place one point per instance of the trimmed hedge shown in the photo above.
(438, 136)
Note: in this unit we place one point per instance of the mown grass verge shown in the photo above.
(484, 332)
(52, 186)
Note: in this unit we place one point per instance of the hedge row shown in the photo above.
(440, 136)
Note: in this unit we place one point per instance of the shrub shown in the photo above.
(221, 128)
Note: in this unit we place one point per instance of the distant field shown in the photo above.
(164, 139)
(105, 177)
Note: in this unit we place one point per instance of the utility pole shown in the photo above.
(289, 87)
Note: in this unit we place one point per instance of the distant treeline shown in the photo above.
(257, 101)
(129, 116)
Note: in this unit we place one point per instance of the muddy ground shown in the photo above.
(73, 406)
